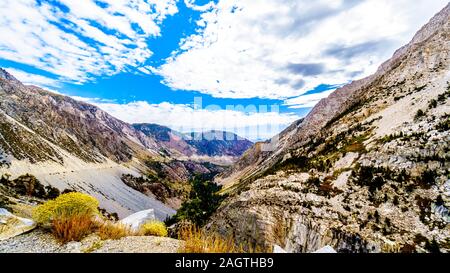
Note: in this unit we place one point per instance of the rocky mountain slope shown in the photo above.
(74, 145)
(367, 170)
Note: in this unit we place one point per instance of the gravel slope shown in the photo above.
(38, 241)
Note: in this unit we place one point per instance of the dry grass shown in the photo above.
(114, 231)
(73, 227)
(198, 241)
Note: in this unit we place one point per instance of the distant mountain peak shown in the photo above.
(208, 143)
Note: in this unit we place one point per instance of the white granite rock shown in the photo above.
(139, 218)
(278, 249)
(326, 249)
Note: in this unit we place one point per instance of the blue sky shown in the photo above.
(148, 60)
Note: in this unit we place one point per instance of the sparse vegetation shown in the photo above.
(425, 208)
(444, 96)
(391, 137)
(203, 202)
(420, 88)
(96, 245)
(160, 188)
(375, 178)
(28, 185)
(313, 180)
(440, 201)
(427, 178)
(420, 113)
(444, 125)
(199, 241)
(433, 246)
(432, 104)
(356, 106)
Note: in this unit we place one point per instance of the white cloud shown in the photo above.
(283, 48)
(191, 4)
(93, 40)
(33, 79)
(307, 101)
(255, 125)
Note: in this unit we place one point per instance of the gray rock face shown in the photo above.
(365, 171)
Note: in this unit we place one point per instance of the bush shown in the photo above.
(28, 185)
(113, 231)
(4, 201)
(420, 113)
(52, 192)
(433, 246)
(70, 228)
(154, 228)
(70, 216)
(432, 104)
(66, 205)
(427, 179)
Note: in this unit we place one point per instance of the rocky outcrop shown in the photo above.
(326, 249)
(137, 219)
(11, 225)
(365, 171)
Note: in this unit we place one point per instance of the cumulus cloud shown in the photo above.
(252, 122)
(77, 40)
(283, 48)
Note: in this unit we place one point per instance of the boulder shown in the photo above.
(135, 221)
(11, 225)
(278, 249)
(326, 249)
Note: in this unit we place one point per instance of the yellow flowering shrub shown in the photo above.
(66, 205)
(154, 228)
